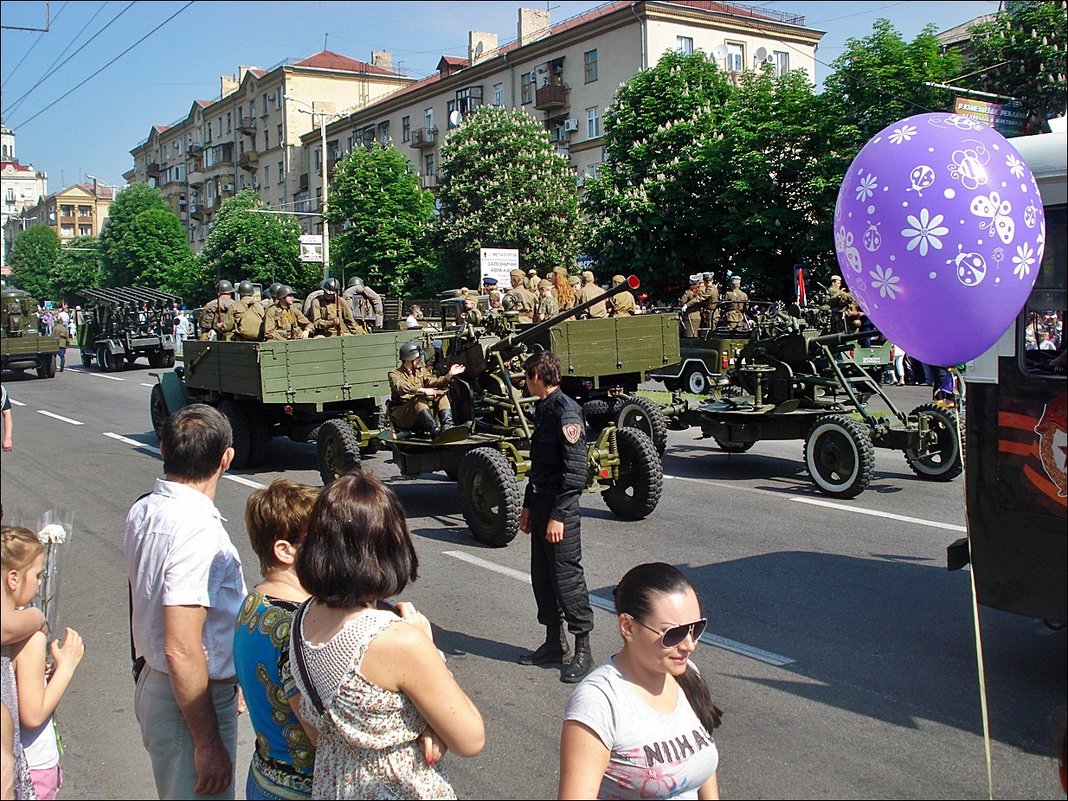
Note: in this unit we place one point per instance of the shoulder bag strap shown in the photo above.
(297, 652)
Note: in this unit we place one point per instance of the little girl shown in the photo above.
(23, 563)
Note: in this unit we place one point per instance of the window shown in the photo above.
(265, 109)
(278, 98)
(66, 230)
(219, 121)
(498, 94)
(428, 119)
(281, 171)
(266, 139)
(251, 109)
(589, 65)
(593, 122)
(280, 137)
(782, 62)
(735, 57)
(468, 99)
(266, 175)
(85, 230)
(685, 45)
(383, 133)
(527, 82)
(318, 158)
(450, 108)
(428, 165)
(229, 121)
(85, 211)
(406, 129)
(66, 210)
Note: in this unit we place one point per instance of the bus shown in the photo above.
(1015, 427)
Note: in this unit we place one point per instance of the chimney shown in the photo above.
(227, 85)
(382, 59)
(533, 25)
(480, 46)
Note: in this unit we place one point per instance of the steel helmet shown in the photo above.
(224, 287)
(246, 289)
(283, 292)
(355, 283)
(272, 291)
(410, 351)
(331, 285)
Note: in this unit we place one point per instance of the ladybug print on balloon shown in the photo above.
(952, 228)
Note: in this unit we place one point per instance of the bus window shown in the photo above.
(1042, 320)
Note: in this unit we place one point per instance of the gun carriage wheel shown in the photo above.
(338, 448)
(157, 409)
(941, 460)
(839, 456)
(642, 414)
(636, 492)
(490, 496)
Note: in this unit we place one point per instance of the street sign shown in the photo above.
(311, 247)
(499, 263)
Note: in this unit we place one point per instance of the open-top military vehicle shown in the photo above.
(791, 382)
(488, 450)
(22, 346)
(122, 324)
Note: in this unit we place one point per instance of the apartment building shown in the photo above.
(21, 186)
(249, 138)
(564, 75)
(78, 210)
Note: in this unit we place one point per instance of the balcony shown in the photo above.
(553, 96)
(249, 160)
(153, 169)
(196, 211)
(194, 148)
(247, 125)
(196, 177)
(429, 181)
(303, 182)
(423, 138)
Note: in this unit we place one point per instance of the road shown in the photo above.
(839, 647)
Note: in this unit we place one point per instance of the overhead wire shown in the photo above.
(120, 55)
(62, 8)
(49, 71)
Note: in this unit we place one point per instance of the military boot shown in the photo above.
(554, 649)
(428, 423)
(581, 664)
(445, 416)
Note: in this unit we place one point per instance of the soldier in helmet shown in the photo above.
(331, 314)
(268, 300)
(588, 291)
(244, 319)
(419, 399)
(621, 305)
(284, 320)
(212, 318)
(366, 304)
(524, 299)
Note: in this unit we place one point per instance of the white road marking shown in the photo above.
(725, 643)
(97, 375)
(147, 385)
(16, 403)
(246, 481)
(860, 510)
(59, 417)
(132, 442)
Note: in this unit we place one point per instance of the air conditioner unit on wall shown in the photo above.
(571, 125)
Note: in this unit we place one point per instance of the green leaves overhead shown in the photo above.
(33, 260)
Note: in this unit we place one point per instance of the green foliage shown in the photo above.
(155, 238)
(881, 79)
(118, 246)
(501, 185)
(263, 248)
(1024, 47)
(78, 269)
(33, 261)
(386, 214)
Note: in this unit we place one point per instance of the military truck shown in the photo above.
(22, 346)
(122, 324)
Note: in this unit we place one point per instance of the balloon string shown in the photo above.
(960, 398)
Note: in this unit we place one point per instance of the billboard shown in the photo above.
(1006, 118)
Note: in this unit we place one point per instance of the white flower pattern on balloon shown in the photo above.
(1023, 261)
(925, 231)
(885, 281)
(903, 134)
(1016, 167)
(866, 188)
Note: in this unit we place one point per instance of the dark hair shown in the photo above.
(193, 441)
(634, 595)
(358, 549)
(278, 512)
(546, 366)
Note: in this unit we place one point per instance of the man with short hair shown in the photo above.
(622, 304)
(186, 589)
(284, 320)
(522, 297)
(588, 291)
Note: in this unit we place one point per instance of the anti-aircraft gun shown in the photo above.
(121, 324)
(22, 346)
(488, 450)
(793, 382)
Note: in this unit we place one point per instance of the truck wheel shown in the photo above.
(107, 361)
(338, 449)
(645, 415)
(157, 409)
(490, 496)
(839, 456)
(168, 360)
(942, 461)
(670, 384)
(694, 380)
(87, 357)
(733, 446)
(47, 368)
(641, 477)
(156, 359)
(242, 434)
(595, 413)
(259, 434)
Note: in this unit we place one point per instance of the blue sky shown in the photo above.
(92, 130)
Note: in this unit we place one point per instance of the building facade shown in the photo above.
(77, 211)
(249, 138)
(21, 186)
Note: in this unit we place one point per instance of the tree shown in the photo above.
(881, 79)
(117, 247)
(502, 185)
(156, 238)
(264, 248)
(78, 269)
(33, 261)
(1023, 49)
(386, 214)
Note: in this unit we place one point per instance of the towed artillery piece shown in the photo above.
(791, 382)
(122, 324)
(22, 345)
(487, 451)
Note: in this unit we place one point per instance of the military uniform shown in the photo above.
(555, 482)
(327, 311)
(623, 304)
(736, 308)
(689, 301)
(588, 291)
(366, 306)
(710, 310)
(524, 299)
(407, 403)
(285, 323)
(236, 313)
(547, 306)
(212, 320)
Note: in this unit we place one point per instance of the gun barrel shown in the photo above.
(832, 340)
(519, 337)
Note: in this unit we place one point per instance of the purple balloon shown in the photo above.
(939, 232)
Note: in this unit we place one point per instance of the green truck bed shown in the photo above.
(613, 345)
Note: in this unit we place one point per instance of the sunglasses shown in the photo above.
(676, 634)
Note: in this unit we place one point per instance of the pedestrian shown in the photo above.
(738, 304)
(277, 520)
(181, 329)
(899, 366)
(186, 590)
(627, 733)
(414, 321)
(5, 413)
(60, 332)
(40, 688)
(552, 517)
(372, 684)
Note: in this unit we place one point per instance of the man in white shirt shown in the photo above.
(186, 590)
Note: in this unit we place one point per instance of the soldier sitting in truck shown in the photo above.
(284, 320)
(331, 314)
(419, 400)
(245, 318)
(211, 319)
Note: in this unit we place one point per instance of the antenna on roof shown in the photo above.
(326, 38)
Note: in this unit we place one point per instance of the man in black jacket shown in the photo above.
(552, 517)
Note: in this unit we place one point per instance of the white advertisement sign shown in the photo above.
(498, 262)
(311, 247)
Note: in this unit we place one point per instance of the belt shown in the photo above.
(230, 680)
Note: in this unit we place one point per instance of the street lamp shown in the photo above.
(322, 137)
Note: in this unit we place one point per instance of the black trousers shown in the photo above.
(556, 570)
